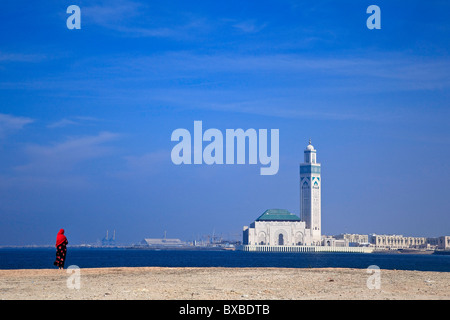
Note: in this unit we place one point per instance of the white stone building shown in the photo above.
(329, 241)
(310, 194)
(280, 227)
(277, 227)
(440, 243)
(354, 239)
(283, 231)
(396, 242)
(444, 243)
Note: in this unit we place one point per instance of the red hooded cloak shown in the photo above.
(60, 238)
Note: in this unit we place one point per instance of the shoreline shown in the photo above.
(220, 283)
(212, 248)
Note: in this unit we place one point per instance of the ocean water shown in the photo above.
(42, 258)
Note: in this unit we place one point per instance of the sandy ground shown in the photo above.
(220, 284)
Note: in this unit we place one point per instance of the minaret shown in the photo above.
(310, 194)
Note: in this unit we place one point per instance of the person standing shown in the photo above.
(61, 249)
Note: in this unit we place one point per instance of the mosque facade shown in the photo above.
(279, 227)
(282, 231)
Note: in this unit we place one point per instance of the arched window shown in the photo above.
(262, 238)
(299, 238)
(280, 239)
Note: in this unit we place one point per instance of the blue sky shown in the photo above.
(86, 115)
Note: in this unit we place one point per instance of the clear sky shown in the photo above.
(86, 116)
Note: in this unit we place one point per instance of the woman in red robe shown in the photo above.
(61, 249)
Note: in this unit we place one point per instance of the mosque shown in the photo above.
(279, 227)
(282, 231)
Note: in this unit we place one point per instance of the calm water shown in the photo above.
(40, 258)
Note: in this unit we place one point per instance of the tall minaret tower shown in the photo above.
(310, 194)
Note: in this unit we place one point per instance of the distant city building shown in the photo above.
(162, 242)
(397, 242)
(328, 241)
(444, 243)
(354, 239)
(440, 243)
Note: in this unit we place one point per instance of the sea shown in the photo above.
(42, 258)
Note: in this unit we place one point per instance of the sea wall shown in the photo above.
(267, 248)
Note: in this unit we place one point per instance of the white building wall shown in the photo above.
(287, 233)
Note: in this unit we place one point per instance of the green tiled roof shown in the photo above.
(278, 215)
